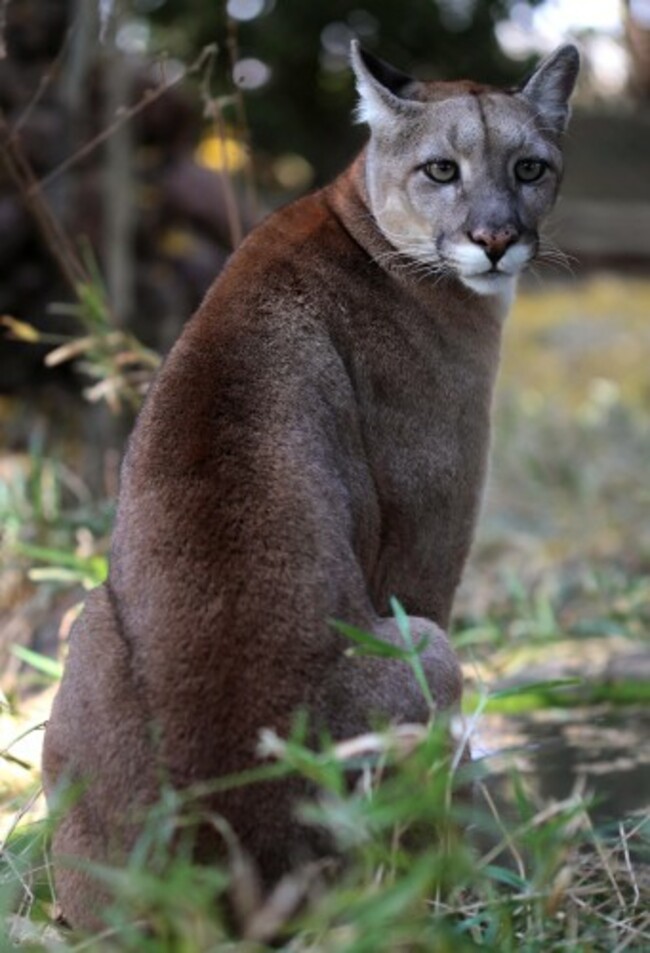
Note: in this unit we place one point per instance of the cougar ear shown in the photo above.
(551, 85)
(384, 91)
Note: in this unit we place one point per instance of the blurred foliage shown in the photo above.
(306, 105)
(571, 443)
(584, 344)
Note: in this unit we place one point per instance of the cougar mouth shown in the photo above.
(481, 273)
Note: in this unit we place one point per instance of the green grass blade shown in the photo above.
(42, 663)
(367, 644)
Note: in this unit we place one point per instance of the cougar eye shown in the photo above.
(530, 170)
(441, 170)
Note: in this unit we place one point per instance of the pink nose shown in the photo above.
(495, 242)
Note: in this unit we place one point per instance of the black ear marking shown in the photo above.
(391, 78)
(384, 91)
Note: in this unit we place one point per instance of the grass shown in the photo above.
(420, 871)
(552, 616)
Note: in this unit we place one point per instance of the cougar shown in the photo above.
(314, 445)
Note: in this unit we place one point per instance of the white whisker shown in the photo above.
(553, 256)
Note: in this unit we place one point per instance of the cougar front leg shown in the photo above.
(439, 661)
(363, 688)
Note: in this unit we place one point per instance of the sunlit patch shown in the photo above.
(566, 337)
(245, 9)
(221, 154)
(176, 242)
(293, 171)
(251, 73)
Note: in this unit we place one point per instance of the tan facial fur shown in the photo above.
(485, 133)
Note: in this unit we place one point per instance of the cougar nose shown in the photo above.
(494, 242)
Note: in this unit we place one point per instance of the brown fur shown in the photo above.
(315, 443)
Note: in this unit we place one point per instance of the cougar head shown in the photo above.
(460, 175)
